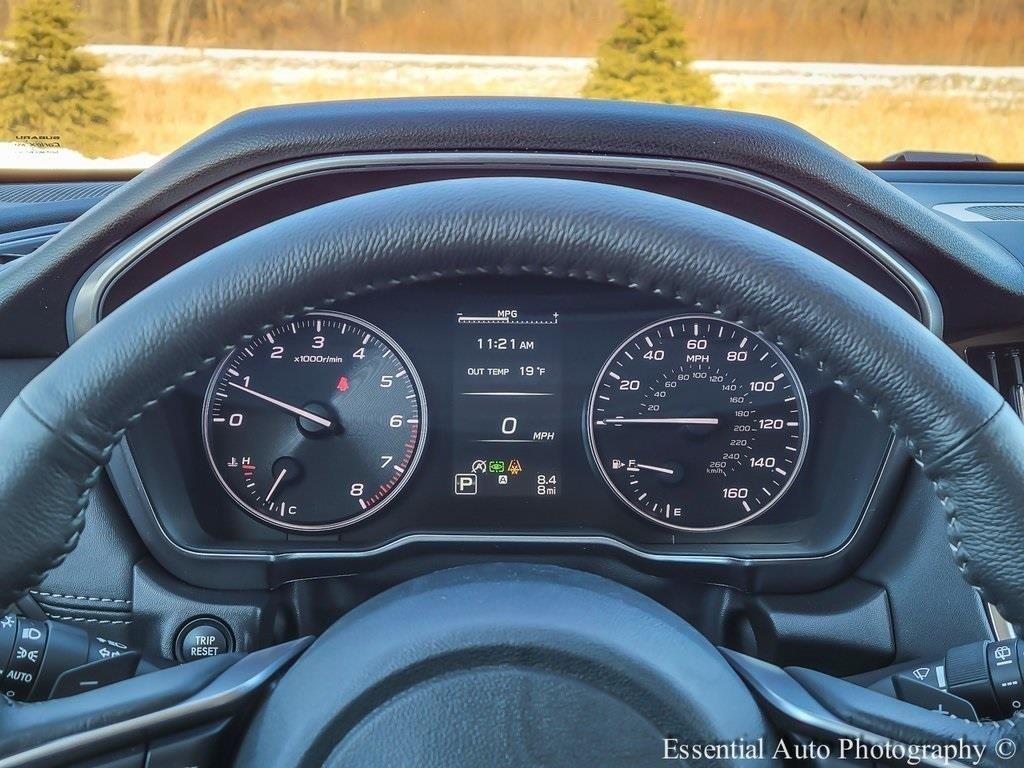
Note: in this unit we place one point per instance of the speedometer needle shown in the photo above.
(325, 423)
(697, 420)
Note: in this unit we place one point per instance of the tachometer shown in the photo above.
(315, 425)
(698, 423)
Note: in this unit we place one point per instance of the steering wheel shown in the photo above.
(515, 663)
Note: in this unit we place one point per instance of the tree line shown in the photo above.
(53, 93)
(984, 32)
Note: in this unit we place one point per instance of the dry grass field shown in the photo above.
(878, 124)
(159, 115)
(982, 32)
(985, 32)
(167, 96)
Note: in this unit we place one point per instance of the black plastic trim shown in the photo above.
(220, 698)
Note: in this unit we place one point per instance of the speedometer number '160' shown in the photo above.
(698, 424)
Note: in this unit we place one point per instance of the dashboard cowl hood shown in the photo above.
(37, 289)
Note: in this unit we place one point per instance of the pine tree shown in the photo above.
(646, 59)
(48, 85)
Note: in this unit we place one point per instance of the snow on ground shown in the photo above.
(22, 156)
(990, 84)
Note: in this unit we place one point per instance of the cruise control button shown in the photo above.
(203, 637)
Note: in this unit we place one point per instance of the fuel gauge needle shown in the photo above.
(663, 470)
(277, 482)
(302, 413)
(651, 467)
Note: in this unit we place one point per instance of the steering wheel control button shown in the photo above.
(1005, 672)
(96, 674)
(26, 659)
(990, 675)
(101, 649)
(203, 637)
(967, 677)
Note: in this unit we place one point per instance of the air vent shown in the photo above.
(999, 212)
(982, 212)
(1003, 368)
(32, 193)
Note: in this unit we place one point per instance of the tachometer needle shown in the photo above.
(697, 420)
(277, 482)
(326, 423)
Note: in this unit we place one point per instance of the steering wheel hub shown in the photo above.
(524, 664)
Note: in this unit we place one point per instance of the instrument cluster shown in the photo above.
(498, 411)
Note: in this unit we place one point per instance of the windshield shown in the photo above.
(123, 82)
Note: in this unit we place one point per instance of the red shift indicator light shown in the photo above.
(342, 385)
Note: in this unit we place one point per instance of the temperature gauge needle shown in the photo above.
(277, 482)
(325, 423)
(696, 420)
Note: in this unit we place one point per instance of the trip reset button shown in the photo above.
(202, 637)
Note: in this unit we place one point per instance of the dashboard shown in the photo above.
(750, 494)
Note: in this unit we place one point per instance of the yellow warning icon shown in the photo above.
(514, 467)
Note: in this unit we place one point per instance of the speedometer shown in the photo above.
(698, 424)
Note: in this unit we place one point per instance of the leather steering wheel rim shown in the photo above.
(60, 431)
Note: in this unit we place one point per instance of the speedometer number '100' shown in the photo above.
(698, 424)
